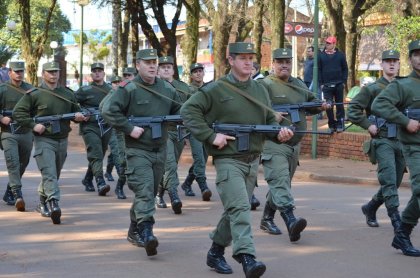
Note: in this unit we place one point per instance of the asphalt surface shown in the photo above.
(91, 241)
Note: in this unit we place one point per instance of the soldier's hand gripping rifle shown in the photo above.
(241, 132)
(154, 123)
(12, 125)
(95, 112)
(53, 121)
(412, 113)
(380, 122)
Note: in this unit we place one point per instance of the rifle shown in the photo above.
(242, 132)
(53, 121)
(12, 125)
(154, 123)
(380, 122)
(94, 111)
(412, 113)
(180, 132)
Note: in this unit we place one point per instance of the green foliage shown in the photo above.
(77, 38)
(403, 31)
(5, 54)
(96, 41)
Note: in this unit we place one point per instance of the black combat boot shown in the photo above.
(159, 201)
(119, 191)
(42, 207)
(251, 267)
(186, 185)
(294, 225)
(216, 259)
(133, 235)
(175, 201)
(8, 196)
(108, 173)
(267, 222)
(369, 210)
(88, 180)
(55, 211)
(103, 188)
(19, 202)
(205, 191)
(402, 232)
(254, 202)
(146, 235)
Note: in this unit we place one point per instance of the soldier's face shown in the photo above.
(128, 76)
(242, 64)
(147, 69)
(390, 66)
(17, 76)
(97, 75)
(50, 77)
(282, 68)
(197, 75)
(166, 71)
(415, 60)
(115, 85)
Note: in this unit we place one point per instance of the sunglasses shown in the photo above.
(18, 71)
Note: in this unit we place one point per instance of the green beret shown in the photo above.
(166, 60)
(196, 66)
(390, 54)
(414, 45)
(115, 78)
(130, 70)
(15, 66)
(241, 48)
(282, 53)
(51, 66)
(96, 66)
(147, 54)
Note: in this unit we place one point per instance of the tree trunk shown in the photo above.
(123, 37)
(116, 23)
(135, 44)
(258, 30)
(32, 49)
(277, 12)
(189, 42)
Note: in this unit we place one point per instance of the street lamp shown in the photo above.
(82, 4)
(53, 45)
(11, 26)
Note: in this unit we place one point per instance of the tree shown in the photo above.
(277, 19)
(189, 42)
(258, 28)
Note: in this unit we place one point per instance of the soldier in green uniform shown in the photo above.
(174, 146)
(198, 170)
(129, 73)
(390, 104)
(50, 145)
(17, 145)
(385, 145)
(280, 160)
(96, 144)
(144, 96)
(237, 171)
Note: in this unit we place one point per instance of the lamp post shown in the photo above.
(82, 4)
(11, 26)
(53, 45)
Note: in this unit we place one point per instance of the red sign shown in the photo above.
(299, 29)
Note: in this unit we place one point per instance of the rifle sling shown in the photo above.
(23, 92)
(57, 95)
(154, 92)
(275, 79)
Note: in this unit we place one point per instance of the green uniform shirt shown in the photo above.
(216, 102)
(182, 89)
(91, 96)
(399, 95)
(363, 102)
(132, 100)
(38, 102)
(9, 96)
(281, 93)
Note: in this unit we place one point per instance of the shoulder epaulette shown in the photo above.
(124, 83)
(31, 90)
(208, 86)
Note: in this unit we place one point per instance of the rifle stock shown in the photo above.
(12, 125)
(380, 122)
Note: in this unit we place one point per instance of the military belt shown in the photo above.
(246, 158)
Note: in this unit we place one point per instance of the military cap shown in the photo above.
(96, 66)
(115, 78)
(282, 53)
(390, 54)
(129, 70)
(166, 60)
(241, 48)
(51, 66)
(15, 66)
(196, 66)
(414, 45)
(147, 54)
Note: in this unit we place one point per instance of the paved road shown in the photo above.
(91, 240)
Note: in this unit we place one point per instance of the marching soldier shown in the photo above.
(96, 143)
(16, 144)
(50, 145)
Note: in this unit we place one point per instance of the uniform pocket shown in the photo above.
(222, 176)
